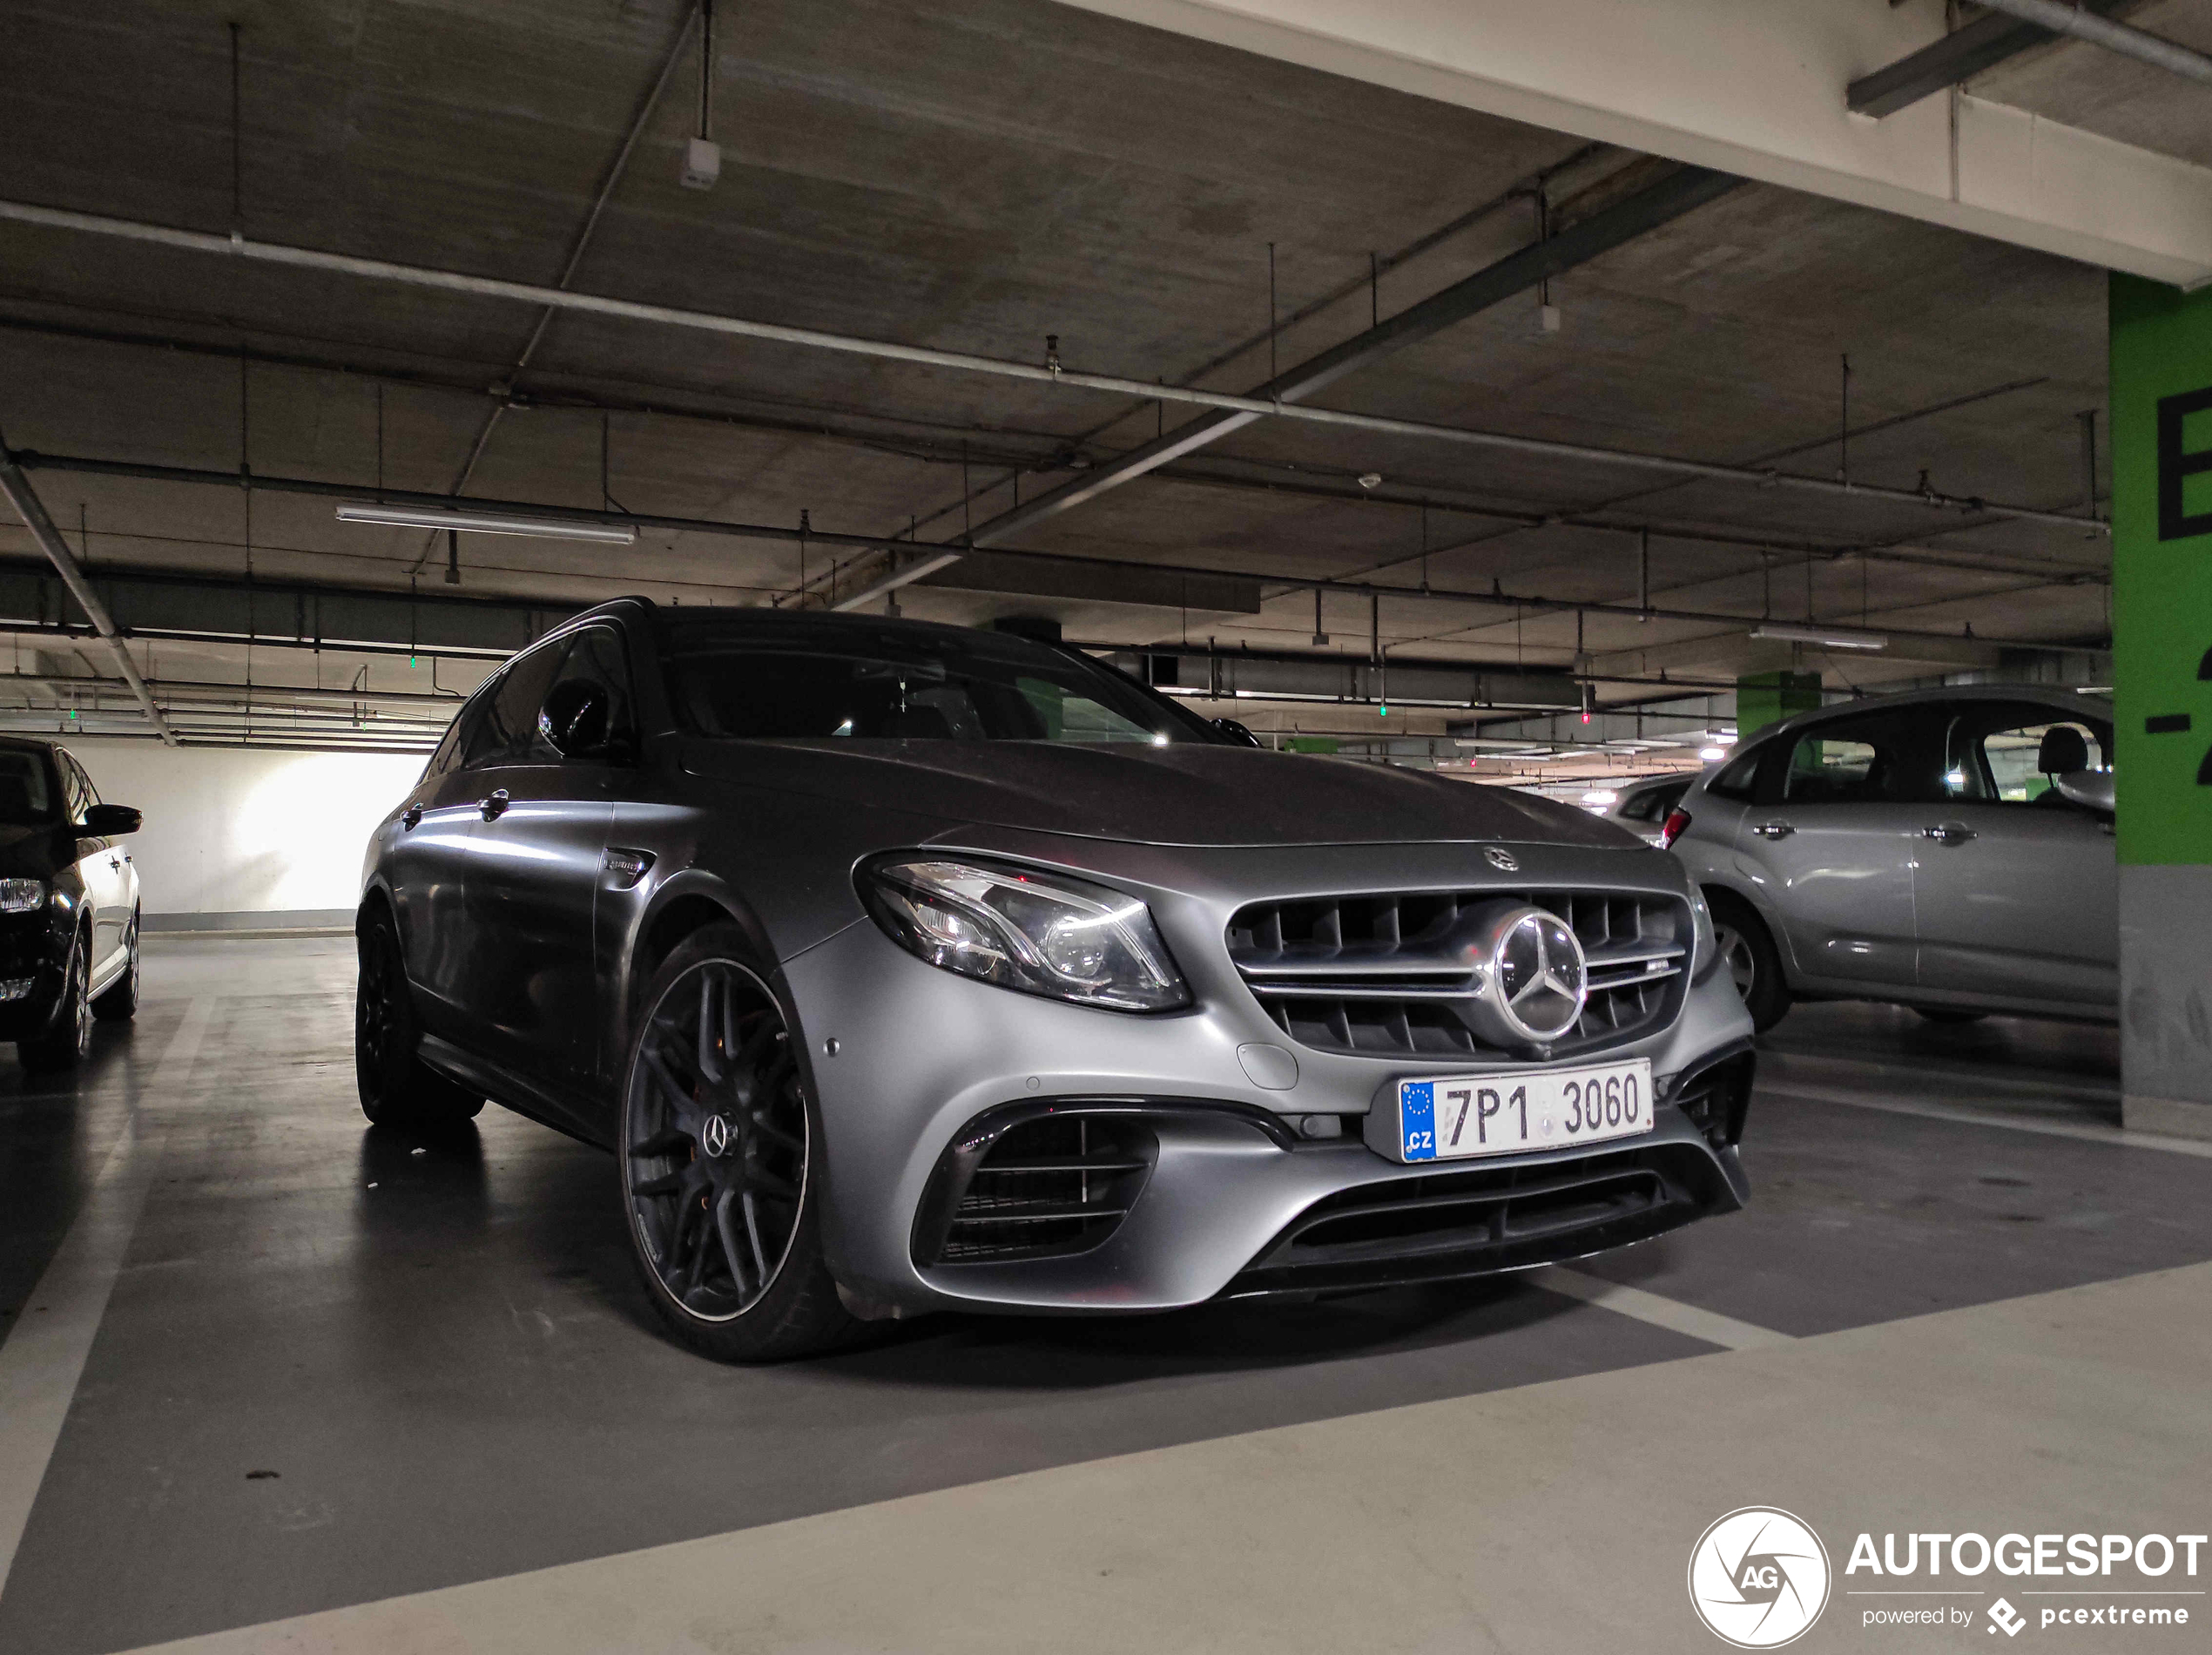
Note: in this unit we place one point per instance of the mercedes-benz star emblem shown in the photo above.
(715, 1136)
(1504, 861)
(1539, 975)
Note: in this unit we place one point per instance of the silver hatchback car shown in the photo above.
(1951, 850)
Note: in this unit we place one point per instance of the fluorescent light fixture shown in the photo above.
(1825, 637)
(1712, 754)
(487, 523)
(1600, 798)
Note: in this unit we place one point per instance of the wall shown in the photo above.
(2161, 610)
(235, 837)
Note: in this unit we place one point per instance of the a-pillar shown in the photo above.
(2162, 608)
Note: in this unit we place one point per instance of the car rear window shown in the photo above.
(912, 687)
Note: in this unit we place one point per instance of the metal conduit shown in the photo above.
(1141, 390)
(2084, 24)
(25, 499)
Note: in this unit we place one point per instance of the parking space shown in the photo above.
(341, 1364)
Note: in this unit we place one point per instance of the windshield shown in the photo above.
(813, 681)
(26, 796)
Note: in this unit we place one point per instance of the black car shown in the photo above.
(907, 966)
(69, 906)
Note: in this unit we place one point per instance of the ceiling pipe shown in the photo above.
(1681, 191)
(25, 499)
(1525, 604)
(614, 173)
(2084, 24)
(963, 362)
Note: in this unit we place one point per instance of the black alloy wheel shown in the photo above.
(118, 1002)
(65, 1042)
(719, 1182)
(397, 1087)
(1748, 954)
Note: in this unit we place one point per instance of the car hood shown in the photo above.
(1181, 794)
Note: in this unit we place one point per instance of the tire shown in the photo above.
(1748, 951)
(397, 1087)
(63, 1045)
(118, 1002)
(716, 1170)
(1947, 1015)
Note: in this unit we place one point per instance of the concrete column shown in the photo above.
(1768, 698)
(2161, 601)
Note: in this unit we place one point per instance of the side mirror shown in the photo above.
(2091, 789)
(1229, 730)
(109, 822)
(577, 721)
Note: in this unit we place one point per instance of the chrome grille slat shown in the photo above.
(1376, 973)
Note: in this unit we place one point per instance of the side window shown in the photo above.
(2008, 755)
(509, 724)
(448, 751)
(1882, 758)
(1739, 775)
(472, 734)
(589, 704)
(76, 793)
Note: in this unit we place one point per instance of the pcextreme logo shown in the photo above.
(1758, 1577)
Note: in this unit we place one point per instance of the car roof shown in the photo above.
(2092, 707)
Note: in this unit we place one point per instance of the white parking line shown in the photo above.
(44, 1356)
(1708, 1325)
(2085, 1132)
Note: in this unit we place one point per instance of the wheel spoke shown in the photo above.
(667, 1183)
(752, 1234)
(768, 1184)
(669, 1140)
(710, 1064)
(758, 1119)
(727, 1231)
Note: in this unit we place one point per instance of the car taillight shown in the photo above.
(1676, 822)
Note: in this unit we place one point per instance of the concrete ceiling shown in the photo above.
(975, 177)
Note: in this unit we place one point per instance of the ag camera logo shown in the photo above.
(1758, 1577)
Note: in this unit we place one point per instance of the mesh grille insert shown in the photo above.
(1056, 1185)
(1390, 974)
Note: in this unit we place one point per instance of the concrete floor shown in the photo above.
(275, 1380)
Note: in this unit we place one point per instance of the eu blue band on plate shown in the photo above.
(1417, 1120)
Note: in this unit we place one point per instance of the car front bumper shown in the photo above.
(905, 1058)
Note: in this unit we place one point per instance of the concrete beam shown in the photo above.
(1748, 87)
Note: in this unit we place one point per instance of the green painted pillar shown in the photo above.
(1768, 698)
(2161, 609)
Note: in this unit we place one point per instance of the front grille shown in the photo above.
(1042, 1187)
(1390, 975)
(1482, 1219)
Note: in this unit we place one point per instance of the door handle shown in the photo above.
(411, 817)
(1949, 832)
(1773, 830)
(494, 806)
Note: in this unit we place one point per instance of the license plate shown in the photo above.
(1522, 1110)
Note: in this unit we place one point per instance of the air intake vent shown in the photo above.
(1392, 974)
(1041, 1187)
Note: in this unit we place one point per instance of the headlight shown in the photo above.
(1704, 951)
(22, 895)
(1030, 929)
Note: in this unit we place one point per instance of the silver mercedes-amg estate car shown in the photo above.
(905, 967)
